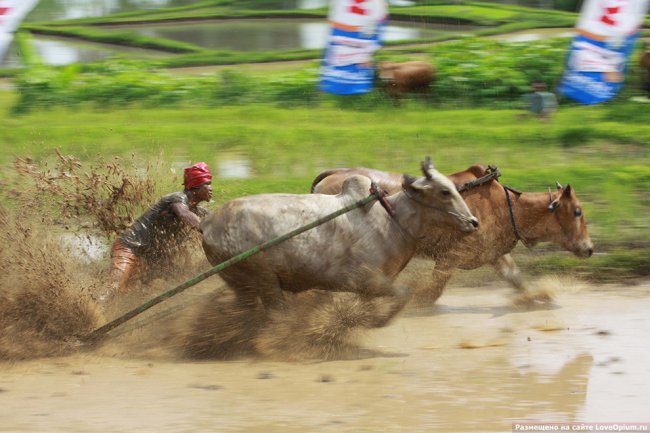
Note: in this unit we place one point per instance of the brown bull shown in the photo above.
(507, 216)
(406, 77)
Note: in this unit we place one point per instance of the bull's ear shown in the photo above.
(407, 180)
(567, 191)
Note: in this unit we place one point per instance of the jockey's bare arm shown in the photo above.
(183, 212)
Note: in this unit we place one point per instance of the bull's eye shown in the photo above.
(577, 212)
(445, 192)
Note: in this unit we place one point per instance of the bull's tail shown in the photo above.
(320, 177)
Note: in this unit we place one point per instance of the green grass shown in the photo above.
(607, 161)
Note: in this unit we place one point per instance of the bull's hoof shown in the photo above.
(532, 299)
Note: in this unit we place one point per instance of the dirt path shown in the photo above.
(471, 363)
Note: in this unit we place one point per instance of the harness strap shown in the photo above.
(381, 194)
(492, 172)
(519, 237)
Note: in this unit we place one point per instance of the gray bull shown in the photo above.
(362, 251)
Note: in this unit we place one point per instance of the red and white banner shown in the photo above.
(12, 13)
(596, 65)
(355, 35)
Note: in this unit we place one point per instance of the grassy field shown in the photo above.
(603, 152)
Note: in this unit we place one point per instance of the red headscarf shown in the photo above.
(197, 175)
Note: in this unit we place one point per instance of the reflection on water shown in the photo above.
(273, 34)
(60, 52)
(234, 167)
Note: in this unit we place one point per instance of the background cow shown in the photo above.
(362, 251)
(401, 78)
(537, 217)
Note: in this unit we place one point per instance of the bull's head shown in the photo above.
(569, 216)
(436, 193)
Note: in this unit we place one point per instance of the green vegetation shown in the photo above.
(469, 72)
(605, 158)
(288, 131)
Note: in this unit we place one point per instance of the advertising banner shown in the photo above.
(12, 13)
(355, 35)
(607, 31)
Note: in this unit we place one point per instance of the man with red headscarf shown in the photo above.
(151, 238)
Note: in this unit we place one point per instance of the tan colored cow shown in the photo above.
(362, 251)
(531, 217)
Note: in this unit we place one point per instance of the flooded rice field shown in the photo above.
(472, 362)
(475, 361)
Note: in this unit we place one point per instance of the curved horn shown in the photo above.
(426, 166)
(557, 185)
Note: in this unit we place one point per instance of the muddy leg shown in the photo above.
(126, 266)
(508, 270)
(271, 295)
(433, 290)
(387, 299)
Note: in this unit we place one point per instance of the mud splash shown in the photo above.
(44, 297)
(49, 278)
(60, 262)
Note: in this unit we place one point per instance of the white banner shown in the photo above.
(607, 31)
(355, 36)
(12, 13)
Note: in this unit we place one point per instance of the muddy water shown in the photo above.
(471, 363)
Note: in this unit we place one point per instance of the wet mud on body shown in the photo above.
(472, 362)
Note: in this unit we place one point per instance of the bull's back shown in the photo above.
(331, 181)
(324, 255)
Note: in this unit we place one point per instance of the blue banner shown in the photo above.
(356, 34)
(596, 65)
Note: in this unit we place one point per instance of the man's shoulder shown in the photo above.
(175, 197)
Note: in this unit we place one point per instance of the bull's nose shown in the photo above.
(474, 222)
(590, 251)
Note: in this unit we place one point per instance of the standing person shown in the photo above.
(151, 239)
(541, 102)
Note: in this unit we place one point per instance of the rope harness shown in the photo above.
(518, 235)
(491, 172)
(382, 194)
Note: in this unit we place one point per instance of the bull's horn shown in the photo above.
(557, 185)
(426, 166)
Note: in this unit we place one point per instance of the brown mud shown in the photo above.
(473, 362)
(477, 360)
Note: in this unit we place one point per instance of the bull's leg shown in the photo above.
(270, 291)
(386, 298)
(508, 270)
(431, 292)
(250, 283)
